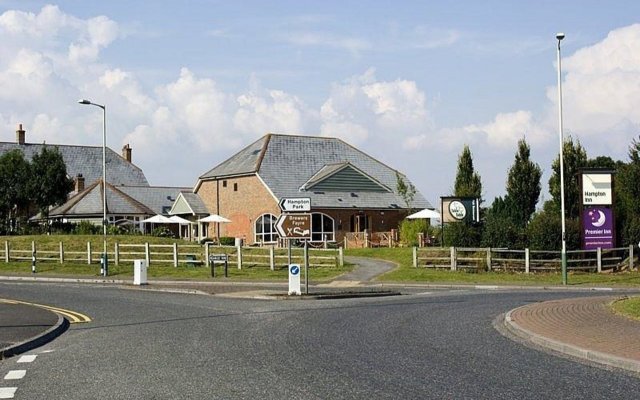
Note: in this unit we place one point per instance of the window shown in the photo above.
(235, 187)
(266, 229)
(322, 228)
(224, 183)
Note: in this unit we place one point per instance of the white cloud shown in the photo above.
(379, 110)
(601, 87)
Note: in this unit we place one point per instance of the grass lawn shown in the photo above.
(629, 307)
(407, 273)
(80, 269)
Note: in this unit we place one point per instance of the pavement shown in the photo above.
(583, 327)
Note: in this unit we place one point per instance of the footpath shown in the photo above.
(583, 328)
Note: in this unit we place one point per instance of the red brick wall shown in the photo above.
(242, 205)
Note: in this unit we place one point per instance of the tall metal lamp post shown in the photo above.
(563, 256)
(105, 260)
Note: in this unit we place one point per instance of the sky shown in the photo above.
(189, 83)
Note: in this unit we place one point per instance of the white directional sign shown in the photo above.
(299, 204)
(294, 279)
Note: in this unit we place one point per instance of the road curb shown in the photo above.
(569, 349)
(36, 341)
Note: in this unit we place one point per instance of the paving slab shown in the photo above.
(586, 328)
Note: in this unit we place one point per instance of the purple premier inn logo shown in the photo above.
(597, 224)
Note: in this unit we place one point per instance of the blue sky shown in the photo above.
(189, 83)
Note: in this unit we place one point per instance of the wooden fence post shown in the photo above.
(341, 256)
(272, 260)
(527, 261)
(147, 253)
(206, 254)
(116, 253)
(599, 258)
(7, 257)
(415, 257)
(488, 258)
(630, 257)
(89, 252)
(61, 253)
(454, 262)
(239, 249)
(175, 255)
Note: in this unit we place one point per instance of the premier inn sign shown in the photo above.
(596, 189)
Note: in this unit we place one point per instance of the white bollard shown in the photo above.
(139, 272)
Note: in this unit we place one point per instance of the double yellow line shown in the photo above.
(73, 316)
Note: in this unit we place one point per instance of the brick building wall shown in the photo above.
(242, 200)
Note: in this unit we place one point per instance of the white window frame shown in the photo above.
(260, 237)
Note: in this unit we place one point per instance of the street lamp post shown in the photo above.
(105, 260)
(563, 255)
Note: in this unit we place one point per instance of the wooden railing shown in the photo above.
(171, 254)
(455, 258)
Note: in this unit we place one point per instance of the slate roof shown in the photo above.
(285, 163)
(144, 200)
(87, 160)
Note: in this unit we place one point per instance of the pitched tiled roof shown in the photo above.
(146, 200)
(285, 163)
(87, 160)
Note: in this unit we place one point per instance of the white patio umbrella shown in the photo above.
(158, 219)
(214, 218)
(423, 214)
(179, 220)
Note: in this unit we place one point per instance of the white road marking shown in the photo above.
(47, 351)
(7, 392)
(27, 359)
(16, 374)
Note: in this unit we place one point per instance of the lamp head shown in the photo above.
(83, 101)
(559, 36)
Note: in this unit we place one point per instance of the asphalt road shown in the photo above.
(438, 345)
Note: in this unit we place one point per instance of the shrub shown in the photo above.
(409, 230)
(161, 231)
(86, 228)
(227, 241)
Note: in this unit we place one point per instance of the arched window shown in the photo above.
(322, 228)
(265, 229)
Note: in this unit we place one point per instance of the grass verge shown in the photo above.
(407, 273)
(628, 307)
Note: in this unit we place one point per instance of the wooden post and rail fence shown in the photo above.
(527, 261)
(167, 254)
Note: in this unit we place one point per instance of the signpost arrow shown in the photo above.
(294, 226)
(298, 204)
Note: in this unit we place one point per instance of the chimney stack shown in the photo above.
(79, 183)
(20, 134)
(126, 152)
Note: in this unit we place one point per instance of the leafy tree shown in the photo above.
(406, 190)
(523, 186)
(468, 183)
(14, 196)
(49, 184)
(575, 158)
(499, 229)
(544, 230)
(628, 192)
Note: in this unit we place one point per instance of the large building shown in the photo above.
(130, 198)
(351, 192)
